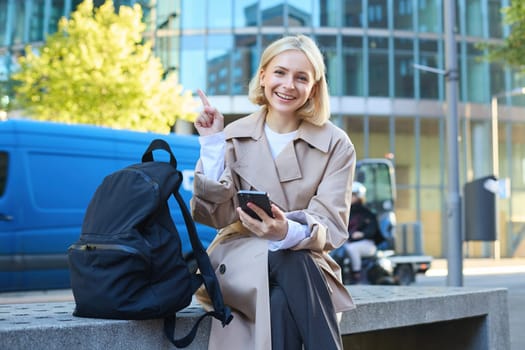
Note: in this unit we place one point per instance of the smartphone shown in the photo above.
(259, 198)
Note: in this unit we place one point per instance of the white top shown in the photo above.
(212, 158)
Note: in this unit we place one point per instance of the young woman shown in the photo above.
(275, 273)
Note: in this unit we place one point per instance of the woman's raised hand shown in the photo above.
(210, 120)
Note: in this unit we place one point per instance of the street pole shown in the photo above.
(455, 239)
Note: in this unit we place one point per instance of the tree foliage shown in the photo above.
(96, 69)
(512, 49)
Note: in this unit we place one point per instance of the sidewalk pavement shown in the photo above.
(480, 266)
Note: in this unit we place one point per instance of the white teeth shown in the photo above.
(286, 97)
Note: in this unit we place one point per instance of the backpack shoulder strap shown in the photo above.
(222, 312)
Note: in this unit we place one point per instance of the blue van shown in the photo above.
(48, 174)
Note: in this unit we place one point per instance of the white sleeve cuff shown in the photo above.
(296, 233)
(212, 154)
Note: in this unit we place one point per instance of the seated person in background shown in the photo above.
(362, 230)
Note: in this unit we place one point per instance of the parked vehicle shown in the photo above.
(386, 266)
(48, 174)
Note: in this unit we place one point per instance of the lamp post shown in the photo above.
(495, 151)
(455, 239)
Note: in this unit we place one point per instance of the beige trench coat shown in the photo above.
(310, 180)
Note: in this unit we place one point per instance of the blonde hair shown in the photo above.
(317, 109)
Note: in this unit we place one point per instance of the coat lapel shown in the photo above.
(254, 162)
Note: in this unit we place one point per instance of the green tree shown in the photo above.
(96, 69)
(512, 49)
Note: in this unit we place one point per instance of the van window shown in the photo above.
(3, 172)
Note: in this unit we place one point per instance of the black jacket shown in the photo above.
(364, 220)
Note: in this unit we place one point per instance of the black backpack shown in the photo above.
(128, 262)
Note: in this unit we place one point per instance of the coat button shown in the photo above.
(222, 269)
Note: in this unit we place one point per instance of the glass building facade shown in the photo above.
(387, 106)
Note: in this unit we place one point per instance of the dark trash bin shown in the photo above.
(480, 210)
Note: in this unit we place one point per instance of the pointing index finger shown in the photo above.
(203, 97)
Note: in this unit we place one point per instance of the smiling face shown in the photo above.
(288, 82)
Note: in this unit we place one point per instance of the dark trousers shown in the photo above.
(301, 310)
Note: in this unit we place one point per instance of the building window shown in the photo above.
(429, 13)
(327, 45)
(353, 66)
(377, 14)
(378, 74)
(403, 14)
(403, 67)
(352, 13)
(428, 82)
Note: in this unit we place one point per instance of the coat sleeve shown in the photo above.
(328, 211)
(214, 202)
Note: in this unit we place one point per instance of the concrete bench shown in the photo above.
(387, 317)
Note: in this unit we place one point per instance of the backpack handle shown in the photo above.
(155, 145)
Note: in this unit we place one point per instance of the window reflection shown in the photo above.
(353, 66)
(245, 61)
(194, 14)
(403, 14)
(378, 66)
(272, 12)
(495, 19)
(219, 55)
(220, 14)
(56, 12)
(3, 21)
(193, 63)
(473, 20)
(326, 13)
(353, 13)
(428, 56)
(300, 13)
(36, 21)
(428, 15)
(403, 67)
(328, 47)
(476, 77)
(245, 13)
(377, 14)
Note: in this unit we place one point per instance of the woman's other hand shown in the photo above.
(210, 120)
(274, 229)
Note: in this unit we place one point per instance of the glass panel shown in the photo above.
(428, 56)
(405, 169)
(245, 61)
(36, 22)
(353, 66)
(495, 19)
(474, 18)
(272, 12)
(518, 158)
(431, 205)
(3, 22)
(353, 13)
(476, 77)
(56, 12)
(193, 14)
(354, 127)
(403, 14)
(378, 66)
(378, 138)
(326, 13)
(220, 49)
(403, 67)
(193, 63)
(328, 47)
(220, 14)
(497, 78)
(430, 147)
(269, 38)
(428, 15)
(3, 172)
(377, 14)
(245, 13)
(299, 13)
(20, 9)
